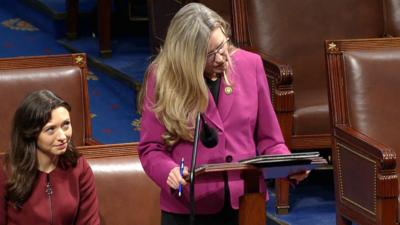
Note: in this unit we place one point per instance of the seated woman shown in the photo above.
(44, 180)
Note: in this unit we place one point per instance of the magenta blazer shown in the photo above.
(246, 124)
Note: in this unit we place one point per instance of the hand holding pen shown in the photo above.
(176, 178)
(182, 167)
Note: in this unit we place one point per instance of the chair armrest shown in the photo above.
(280, 78)
(366, 146)
(363, 162)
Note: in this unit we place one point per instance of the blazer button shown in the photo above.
(228, 158)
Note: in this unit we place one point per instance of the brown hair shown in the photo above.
(21, 161)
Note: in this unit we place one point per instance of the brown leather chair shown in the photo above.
(126, 194)
(364, 95)
(63, 74)
(290, 36)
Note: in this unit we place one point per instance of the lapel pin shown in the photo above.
(228, 90)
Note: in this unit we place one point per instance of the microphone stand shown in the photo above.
(193, 168)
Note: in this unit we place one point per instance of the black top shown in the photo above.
(213, 85)
(214, 89)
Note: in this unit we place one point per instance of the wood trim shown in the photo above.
(286, 123)
(109, 150)
(240, 32)
(337, 90)
(104, 26)
(282, 193)
(342, 45)
(320, 141)
(72, 18)
(27, 62)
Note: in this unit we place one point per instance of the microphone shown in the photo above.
(193, 168)
(208, 135)
(209, 138)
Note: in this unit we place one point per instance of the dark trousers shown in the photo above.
(227, 216)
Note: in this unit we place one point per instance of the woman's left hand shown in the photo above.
(296, 178)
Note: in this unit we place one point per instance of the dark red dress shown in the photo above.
(62, 197)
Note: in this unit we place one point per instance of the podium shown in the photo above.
(252, 206)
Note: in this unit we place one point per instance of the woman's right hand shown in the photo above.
(175, 178)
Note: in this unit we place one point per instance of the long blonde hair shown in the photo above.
(181, 91)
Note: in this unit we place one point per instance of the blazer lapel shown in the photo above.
(212, 115)
(227, 95)
(217, 114)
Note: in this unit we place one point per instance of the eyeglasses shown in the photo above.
(219, 50)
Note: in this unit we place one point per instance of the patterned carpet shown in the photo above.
(113, 106)
(311, 202)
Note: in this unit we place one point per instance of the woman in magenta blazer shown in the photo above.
(199, 70)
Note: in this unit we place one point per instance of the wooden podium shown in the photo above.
(252, 206)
